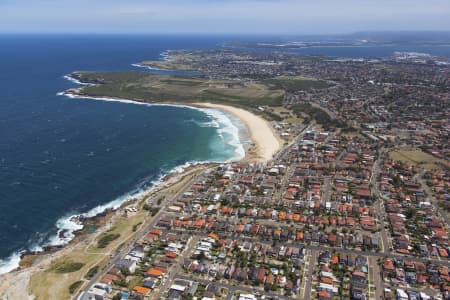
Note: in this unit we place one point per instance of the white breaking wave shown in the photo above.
(220, 119)
(213, 123)
(70, 78)
(165, 55)
(10, 263)
(228, 131)
(68, 225)
(224, 121)
(149, 67)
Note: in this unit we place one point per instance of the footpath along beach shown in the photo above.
(23, 283)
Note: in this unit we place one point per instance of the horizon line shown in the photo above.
(217, 33)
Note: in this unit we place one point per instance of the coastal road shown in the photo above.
(130, 243)
(281, 153)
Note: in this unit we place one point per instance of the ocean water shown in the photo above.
(61, 157)
(379, 51)
(363, 51)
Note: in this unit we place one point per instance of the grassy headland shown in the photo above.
(167, 65)
(150, 88)
(177, 89)
(248, 91)
(60, 278)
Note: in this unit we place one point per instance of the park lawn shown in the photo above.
(49, 284)
(54, 282)
(287, 115)
(417, 157)
(167, 65)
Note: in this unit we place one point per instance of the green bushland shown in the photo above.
(106, 239)
(272, 116)
(161, 64)
(320, 116)
(91, 273)
(67, 267)
(154, 211)
(135, 226)
(108, 77)
(75, 286)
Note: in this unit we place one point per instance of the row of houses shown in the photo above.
(342, 274)
(416, 227)
(401, 274)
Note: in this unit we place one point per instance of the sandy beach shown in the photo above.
(265, 145)
(261, 133)
(265, 140)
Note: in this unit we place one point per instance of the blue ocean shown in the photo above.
(61, 157)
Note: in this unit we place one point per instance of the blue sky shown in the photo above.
(222, 16)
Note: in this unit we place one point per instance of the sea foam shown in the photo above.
(68, 225)
(149, 67)
(74, 80)
(10, 263)
(227, 126)
(224, 122)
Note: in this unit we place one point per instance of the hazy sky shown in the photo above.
(222, 16)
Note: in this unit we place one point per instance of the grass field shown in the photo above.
(61, 277)
(63, 273)
(287, 115)
(164, 88)
(296, 83)
(417, 157)
(162, 64)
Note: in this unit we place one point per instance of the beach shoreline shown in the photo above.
(12, 283)
(264, 145)
(264, 139)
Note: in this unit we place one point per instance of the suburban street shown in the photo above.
(309, 275)
(124, 250)
(379, 202)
